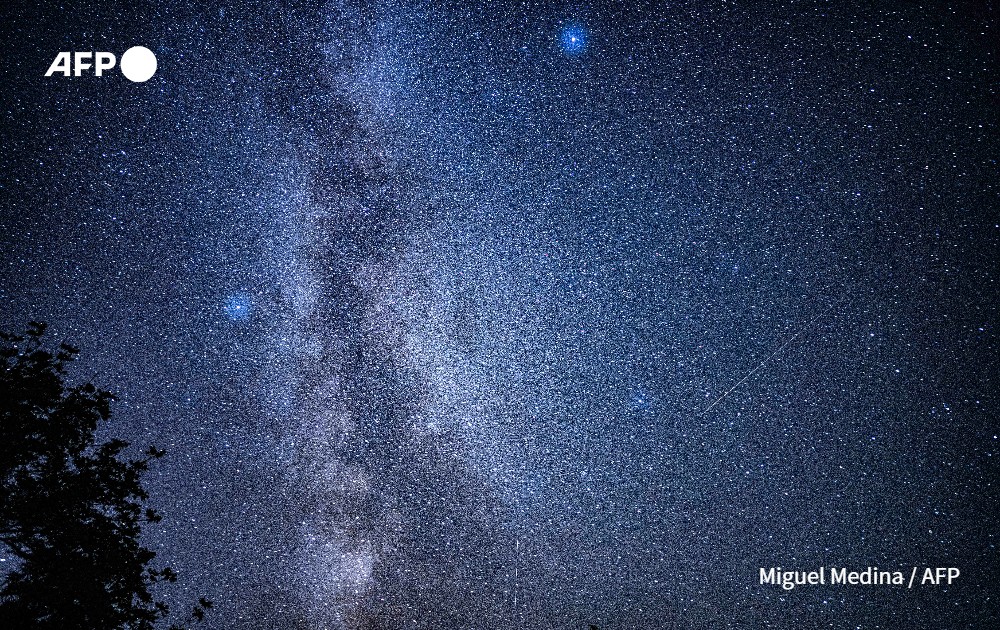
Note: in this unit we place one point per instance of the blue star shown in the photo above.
(238, 307)
(573, 39)
(641, 401)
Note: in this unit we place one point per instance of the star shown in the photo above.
(573, 39)
(238, 307)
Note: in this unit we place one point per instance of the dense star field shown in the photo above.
(536, 315)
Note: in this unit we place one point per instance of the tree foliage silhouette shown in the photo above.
(71, 510)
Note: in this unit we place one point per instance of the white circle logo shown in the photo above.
(138, 64)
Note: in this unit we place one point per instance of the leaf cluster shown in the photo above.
(71, 510)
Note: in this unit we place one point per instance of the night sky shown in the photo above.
(539, 315)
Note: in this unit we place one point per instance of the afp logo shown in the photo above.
(138, 64)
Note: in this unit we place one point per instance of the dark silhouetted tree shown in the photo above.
(71, 510)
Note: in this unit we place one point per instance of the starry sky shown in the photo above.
(541, 314)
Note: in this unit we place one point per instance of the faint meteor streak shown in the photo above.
(750, 374)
